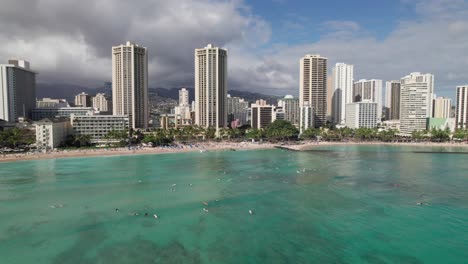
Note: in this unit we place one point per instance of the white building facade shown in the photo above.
(98, 126)
(416, 95)
(130, 84)
(343, 77)
(51, 134)
(307, 116)
(211, 87)
(83, 99)
(102, 103)
(442, 107)
(369, 90)
(361, 115)
(17, 90)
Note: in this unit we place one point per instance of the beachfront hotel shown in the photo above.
(416, 95)
(51, 133)
(313, 86)
(130, 84)
(291, 109)
(369, 90)
(343, 77)
(211, 87)
(17, 90)
(461, 113)
(361, 115)
(306, 117)
(98, 126)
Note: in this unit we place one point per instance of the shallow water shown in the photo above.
(355, 204)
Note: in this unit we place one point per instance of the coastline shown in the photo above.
(106, 152)
(312, 144)
(209, 146)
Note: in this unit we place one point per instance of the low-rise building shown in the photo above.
(262, 114)
(52, 113)
(98, 126)
(441, 123)
(51, 103)
(52, 133)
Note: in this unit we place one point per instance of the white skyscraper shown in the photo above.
(416, 94)
(184, 97)
(17, 90)
(442, 107)
(461, 112)
(313, 87)
(306, 117)
(369, 90)
(130, 84)
(343, 76)
(211, 87)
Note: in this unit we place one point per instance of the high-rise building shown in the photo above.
(416, 96)
(313, 86)
(291, 109)
(461, 112)
(184, 97)
(392, 98)
(237, 109)
(330, 89)
(442, 107)
(17, 90)
(343, 76)
(369, 90)
(211, 87)
(262, 114)
(102, 103)
(130, 84)
(83, 99)
(361, 114)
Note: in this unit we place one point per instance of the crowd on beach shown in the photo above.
(174, 148)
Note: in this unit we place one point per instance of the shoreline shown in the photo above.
(312, 144)
(109, 152)
(211, 146)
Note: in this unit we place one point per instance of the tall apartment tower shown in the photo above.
(461, 112)
(313, 86)
(183, 97)
(17, 90)
(130, 84)
(343, 76)
(416, 96)
(442, 107)
(392, 99)
(211, 87)
(369, 90)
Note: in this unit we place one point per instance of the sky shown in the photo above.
(69, 42)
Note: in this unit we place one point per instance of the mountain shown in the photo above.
(68, 91)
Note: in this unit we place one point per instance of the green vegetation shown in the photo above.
(16, 137)
(281, 130)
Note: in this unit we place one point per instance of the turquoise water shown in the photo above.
(355, 204)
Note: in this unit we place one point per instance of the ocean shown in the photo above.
(335, 204)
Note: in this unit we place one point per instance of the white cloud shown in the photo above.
(69, 41)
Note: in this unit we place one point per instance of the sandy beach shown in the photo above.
(205, 146)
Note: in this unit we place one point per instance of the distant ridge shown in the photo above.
(68, 91)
